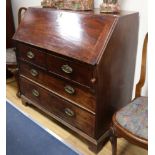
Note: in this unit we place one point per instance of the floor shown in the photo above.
(124, 148)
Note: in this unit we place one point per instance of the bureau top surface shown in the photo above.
(78, 35)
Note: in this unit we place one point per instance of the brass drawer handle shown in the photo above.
(30, 55)
(70, 90)
(69, 112)
(34, 72)
(67, 69)
(35, 93)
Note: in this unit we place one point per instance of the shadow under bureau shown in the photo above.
(78, 67)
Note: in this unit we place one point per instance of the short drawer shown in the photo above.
(78, 72)
(31, 55)
(73, 115)
(79, 95)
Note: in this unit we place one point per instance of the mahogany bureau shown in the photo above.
(77, 67)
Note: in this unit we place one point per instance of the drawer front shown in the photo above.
(32, 55)
(73, 115)
(80, 73)
(79, 95)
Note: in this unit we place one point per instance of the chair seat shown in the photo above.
(10, 56)
(134, 117)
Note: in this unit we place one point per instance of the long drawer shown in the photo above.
(76, 94)
(74, 115)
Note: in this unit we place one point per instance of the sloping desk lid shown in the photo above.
(81, 36)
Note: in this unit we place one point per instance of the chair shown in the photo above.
(10, 30)
(11, 62)
(131, 122)
(21, 12)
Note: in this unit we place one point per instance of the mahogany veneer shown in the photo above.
(78, 67)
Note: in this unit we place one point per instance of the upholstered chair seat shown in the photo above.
(134, 117)
(10, 57)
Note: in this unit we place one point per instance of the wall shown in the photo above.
(16, 4)
(138, 5)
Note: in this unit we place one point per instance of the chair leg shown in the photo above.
(18, 94)
(113, 140)
(8, 74)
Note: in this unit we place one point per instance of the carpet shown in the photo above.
(26, 137)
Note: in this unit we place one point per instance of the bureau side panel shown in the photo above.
(115, 71)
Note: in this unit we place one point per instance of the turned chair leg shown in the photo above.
(18, 94)
(113, 140)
